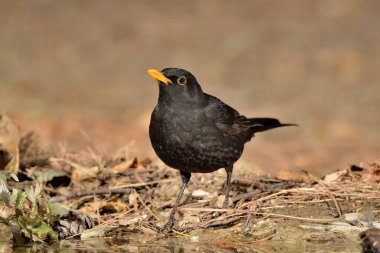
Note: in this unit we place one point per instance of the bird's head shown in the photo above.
(177, 85)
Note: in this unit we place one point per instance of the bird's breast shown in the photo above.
(186, 140)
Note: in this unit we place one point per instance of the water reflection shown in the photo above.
(145, 244)
(141, 244)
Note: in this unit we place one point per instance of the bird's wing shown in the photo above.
(226, 118)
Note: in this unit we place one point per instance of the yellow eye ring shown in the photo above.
(182, 80)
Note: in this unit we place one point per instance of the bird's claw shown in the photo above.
(217, 213)
(167, 227)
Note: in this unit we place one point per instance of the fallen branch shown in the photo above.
(90, 193)
(144, 184)
(316, 220)
(274, 215)
(247, 195)
(116, 190)
(224, 223)
(271, 196)
(265, 237)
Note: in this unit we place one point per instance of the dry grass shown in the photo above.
(128, 194)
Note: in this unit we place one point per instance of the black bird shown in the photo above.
(195, 132)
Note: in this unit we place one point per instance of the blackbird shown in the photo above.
(195, 132)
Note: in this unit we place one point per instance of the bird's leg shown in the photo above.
(227, 193)
(228, 186)
(185, 176)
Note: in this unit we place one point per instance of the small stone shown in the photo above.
(342, 227)
(194, 238)
(366, 218)
(199, 194)
(351, 218)
(313, 227)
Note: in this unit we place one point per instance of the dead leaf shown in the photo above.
(13, 165)
(225, 245)
(114, 205)
(121, 167)
(9, 140)
(148, 231)
(82, 173)
(94, 232)
(289, 175)
(133, 200)
(329, 178)
(44, 175)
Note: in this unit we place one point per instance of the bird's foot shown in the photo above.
(218, 213)
(167, 227)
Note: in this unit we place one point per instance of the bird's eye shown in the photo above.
(182, 80)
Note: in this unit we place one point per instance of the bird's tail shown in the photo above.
(264, 124)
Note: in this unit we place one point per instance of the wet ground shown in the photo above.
(144, 244)
(288, 237)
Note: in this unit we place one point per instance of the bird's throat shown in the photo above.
(180, 97)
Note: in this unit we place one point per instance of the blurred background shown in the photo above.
(75, 72)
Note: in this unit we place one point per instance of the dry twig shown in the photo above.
(338, 209)
(90, 193)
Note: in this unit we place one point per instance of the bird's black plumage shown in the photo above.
(195, 132)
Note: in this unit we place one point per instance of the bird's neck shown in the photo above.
(178, 98)
(167, 100)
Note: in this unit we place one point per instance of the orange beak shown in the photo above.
(154, 73)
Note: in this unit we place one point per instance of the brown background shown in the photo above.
(75, 72)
